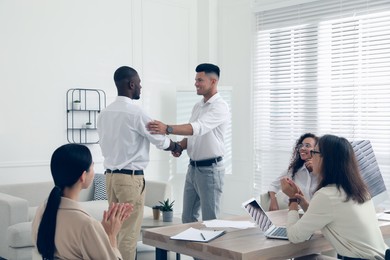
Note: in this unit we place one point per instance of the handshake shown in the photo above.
(175, 148)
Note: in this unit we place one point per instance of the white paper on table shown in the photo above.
(383, 216)
(216, 223)
(193, 234)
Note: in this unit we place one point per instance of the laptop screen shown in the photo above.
(258, 215)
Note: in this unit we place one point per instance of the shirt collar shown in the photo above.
(123, 99)
(213, 98)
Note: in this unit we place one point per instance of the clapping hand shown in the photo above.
(293, 191)
(289, 187)
(114, 217)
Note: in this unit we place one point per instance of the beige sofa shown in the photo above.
(18, 203)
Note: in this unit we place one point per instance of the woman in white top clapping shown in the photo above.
(341, 207)
(299, 170)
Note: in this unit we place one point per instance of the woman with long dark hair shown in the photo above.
(300, 170)
(341, 207)
(61, 228)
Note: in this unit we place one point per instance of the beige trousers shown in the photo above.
(128, 188)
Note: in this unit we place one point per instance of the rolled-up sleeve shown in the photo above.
(215, 116)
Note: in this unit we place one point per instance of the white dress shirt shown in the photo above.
(209, 123)
(124, 139)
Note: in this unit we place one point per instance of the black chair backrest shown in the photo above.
(387, 254)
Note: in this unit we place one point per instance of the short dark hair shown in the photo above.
(208, 68)
(124, 72)
(339, 166)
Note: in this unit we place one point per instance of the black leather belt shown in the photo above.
(124, 171)
(348, 258)
(204, 163)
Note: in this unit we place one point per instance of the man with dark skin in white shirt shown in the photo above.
(125, 144)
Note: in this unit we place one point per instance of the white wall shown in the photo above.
(48, 47)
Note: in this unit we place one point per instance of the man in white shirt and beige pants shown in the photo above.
(205, 146)
(125, 144)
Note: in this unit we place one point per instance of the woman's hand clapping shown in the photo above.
(113, 219)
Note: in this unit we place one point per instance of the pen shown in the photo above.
(202, 236)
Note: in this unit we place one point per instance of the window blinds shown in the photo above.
(320, 67)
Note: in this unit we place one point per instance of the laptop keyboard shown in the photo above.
(280, 232)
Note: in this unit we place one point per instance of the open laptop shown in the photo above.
(263, 221)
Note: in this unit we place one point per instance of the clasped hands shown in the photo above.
(114, 217)
(291, 189)
(178, 150)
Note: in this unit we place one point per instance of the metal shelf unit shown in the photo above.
(81, 118)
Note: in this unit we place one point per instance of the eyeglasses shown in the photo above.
(313, 152)
(300, 146)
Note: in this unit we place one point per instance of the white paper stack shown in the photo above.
(198, 235)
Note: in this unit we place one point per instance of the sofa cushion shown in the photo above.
(31, 213)
(19, 235)
(100, 187)
(95, 208)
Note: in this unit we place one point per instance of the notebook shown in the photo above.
(193, 234)
(263, 221)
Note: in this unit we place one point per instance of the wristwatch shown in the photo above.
(290, 200)
(169, 130)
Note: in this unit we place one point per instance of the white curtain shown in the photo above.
(320, 67)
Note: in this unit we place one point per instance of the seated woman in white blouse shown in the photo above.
(341, 207)
(299, 170)
(61, 228)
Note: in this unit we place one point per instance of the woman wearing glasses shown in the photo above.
(299, 170)
(341, 207)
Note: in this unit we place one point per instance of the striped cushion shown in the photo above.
(100, 187)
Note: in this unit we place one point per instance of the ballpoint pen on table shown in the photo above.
(202, 236)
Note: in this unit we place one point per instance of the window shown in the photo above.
(185, 102)
(320, 67)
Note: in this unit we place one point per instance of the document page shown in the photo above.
(383, 216)
(198, 235)
(228, 224)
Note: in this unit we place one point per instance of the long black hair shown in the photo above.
(339, 166)
(68, 162)
(296, 162)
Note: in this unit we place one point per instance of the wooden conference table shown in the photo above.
(239, 244)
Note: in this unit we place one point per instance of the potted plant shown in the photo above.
(76, 104)
(88, 125)
(167, 210)
(156, 212)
